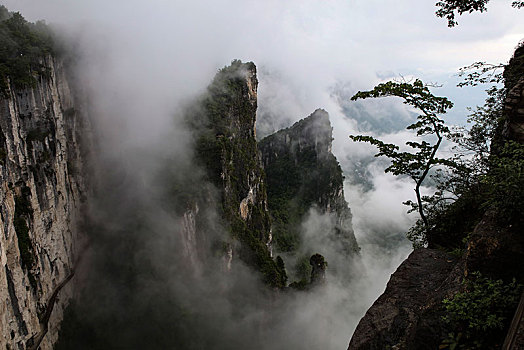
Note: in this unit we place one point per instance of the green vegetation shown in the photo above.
(484, 175)
(226, 148)
(486, 172)
(296, 181)
(418, 162)
(303, 268)
(452, 221)
(282, 269)
(448, 8)
(490, 171)
(319, 266)
(505, 184)
(287, 210)
(513, 70)
(23, 46)
(479, 315)
(310, 271)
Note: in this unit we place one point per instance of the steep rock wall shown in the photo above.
(43, 189)
(407, 315)
(225, 146)
(303, 174)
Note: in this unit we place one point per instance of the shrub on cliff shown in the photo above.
(23, 46)
(479, 315)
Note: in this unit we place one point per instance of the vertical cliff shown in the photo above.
(226, 147)
(42, 189)
(304, 175)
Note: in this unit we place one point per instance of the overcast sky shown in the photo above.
(302, 48)
(142, 58)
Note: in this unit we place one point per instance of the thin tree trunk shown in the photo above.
(423, 177)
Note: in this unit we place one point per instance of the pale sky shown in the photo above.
(310, 44)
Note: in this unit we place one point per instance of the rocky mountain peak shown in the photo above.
(305, 181)
(313, 132)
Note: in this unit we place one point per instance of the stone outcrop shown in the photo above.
(495, 250)
(318, 269)
(43, 188)
(303, 175)
(305, 147)
(514, 111)
(407, 315)
(225, 146)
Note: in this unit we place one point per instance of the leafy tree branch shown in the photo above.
(417, 162)
(449, 8)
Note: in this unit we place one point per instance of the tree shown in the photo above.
(449, 7)
(418, 162)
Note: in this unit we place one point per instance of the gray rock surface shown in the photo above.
(42, 193)
(407, 315)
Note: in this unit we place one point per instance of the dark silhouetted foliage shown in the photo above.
(449, 8)
(23, 48)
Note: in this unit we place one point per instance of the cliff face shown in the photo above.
(407, 315)
(43, 190)
(303, 175)
(226, 147)
(296, 164)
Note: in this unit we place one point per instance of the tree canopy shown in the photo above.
(23, 46)
(449, 8)
(417, 162)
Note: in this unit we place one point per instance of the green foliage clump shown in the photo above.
(454, 221)
(484, 173)
(255, 252)
(479, 315)
(23, 46)
(488, 174)
(282, 270)
(490, 171)
(303, 268)
(513, 70)
(284, 183)
(505, 183)
(448, 8)
(302, 285)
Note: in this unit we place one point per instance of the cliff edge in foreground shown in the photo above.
(469, 298)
